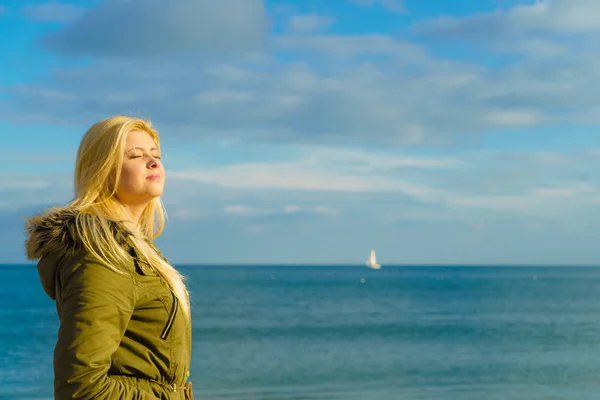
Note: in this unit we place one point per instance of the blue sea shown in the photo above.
(316, 333)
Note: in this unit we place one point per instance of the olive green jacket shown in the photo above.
(121, 336)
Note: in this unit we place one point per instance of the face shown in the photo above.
(142, 173)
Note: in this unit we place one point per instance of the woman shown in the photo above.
(124, 311)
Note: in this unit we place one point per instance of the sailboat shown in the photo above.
(372, 261)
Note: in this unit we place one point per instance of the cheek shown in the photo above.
(129, 177)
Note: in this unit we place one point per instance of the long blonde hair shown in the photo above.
(97, 173)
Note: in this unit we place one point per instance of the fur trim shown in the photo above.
(55, 231)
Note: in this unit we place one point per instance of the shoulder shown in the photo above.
(78, 249)
(64, 231)
(84, 262)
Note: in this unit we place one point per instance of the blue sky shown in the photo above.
(311, 131)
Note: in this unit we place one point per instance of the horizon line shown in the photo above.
(393, 265)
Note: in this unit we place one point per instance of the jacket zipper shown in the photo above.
(171, 319)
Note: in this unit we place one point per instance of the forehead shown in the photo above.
(139, 139)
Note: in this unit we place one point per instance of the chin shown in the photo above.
(152, 194)
(155, 191)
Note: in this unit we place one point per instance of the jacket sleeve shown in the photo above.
(95, 307)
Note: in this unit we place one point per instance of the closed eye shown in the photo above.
(132, 156)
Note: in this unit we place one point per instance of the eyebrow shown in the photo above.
(141, 148)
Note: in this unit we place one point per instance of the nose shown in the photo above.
(153, 162)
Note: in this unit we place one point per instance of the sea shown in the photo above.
(347, 332)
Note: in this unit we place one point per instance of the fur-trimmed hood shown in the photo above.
(53, 235)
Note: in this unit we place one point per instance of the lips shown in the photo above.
(154, 177)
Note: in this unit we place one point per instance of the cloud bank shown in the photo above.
(300, 129)
(153, 28)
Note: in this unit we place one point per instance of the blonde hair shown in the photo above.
(97, 173)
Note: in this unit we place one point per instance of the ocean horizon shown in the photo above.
(324, 332)
(349, 265)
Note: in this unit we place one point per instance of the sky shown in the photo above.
(310, 131)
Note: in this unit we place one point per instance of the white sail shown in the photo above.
(372, 261)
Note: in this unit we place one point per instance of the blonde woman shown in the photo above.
(124, 311)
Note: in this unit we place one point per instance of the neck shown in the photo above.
(132, 216)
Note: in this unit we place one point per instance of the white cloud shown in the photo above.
(593, 153)
(291, 209)
(549, 202)
(533, 46)
(352, 45)
(445, 188)
(418, 198)
(449, 188)
(543, 16)
(291, 103)
(224, 97)
(254, 211)
(562, 16)
(45, 94)
(243, 210)
(321, 180)
(391, 92)
(320, 171)
(545, 157)
(514, 118)
(307, 23)
(567, 190)
(287, 176)
(377, 161)
(401, 97)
